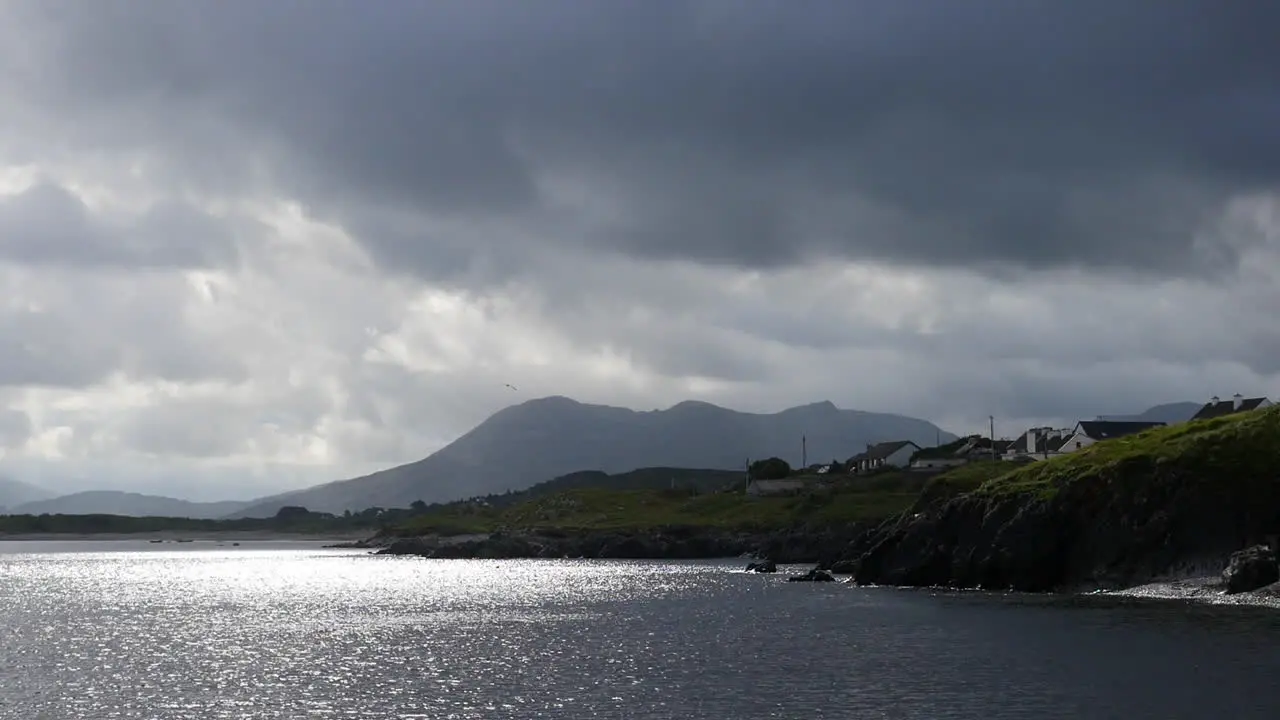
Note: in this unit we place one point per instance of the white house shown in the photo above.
(896, 453)
(934, 462)
(1038, 443)
(1088, 432)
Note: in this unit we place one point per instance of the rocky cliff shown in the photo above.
(1169, 502)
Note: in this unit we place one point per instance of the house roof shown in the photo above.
(1048, 440)
(941, 451)
(979, 445)
(883, 450)
(1227, 407)
(1110, 429)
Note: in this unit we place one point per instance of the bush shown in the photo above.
(771, 469)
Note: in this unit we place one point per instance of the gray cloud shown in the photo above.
(15, 427)
(72, 329)
(1026, 134)
(942, 209)
(220, 426)
(47, 224)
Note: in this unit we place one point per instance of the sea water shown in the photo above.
(102, 630)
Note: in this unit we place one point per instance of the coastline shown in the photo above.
(1201, 585)
(1202, 589)
(193, 536)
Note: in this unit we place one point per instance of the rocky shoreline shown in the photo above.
(820, 546)
(1080, 539)
(909, 551)
(1131, 525)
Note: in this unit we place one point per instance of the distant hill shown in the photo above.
(655, 478)
(14, 493)
(555, 436)
(1170, 413)
(110, 502)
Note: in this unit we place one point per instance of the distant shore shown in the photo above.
(195, 536)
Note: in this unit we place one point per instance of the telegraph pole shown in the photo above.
(992, 418)
(804, 451)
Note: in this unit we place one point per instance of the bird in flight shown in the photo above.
(513, 387)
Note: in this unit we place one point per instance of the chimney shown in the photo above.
(1214, 400)
(1236, 401)
(1031, 440)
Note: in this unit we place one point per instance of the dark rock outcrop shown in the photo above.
(814, 575)
(824, 546)
(1251, 569)
(766, 566)
(844, 567)
(1135, 522)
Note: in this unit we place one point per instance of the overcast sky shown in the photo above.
(250, 245)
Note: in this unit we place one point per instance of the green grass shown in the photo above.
(964, 479)
(1242, 445)
(848, 500)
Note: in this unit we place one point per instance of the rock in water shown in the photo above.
(814, 575)
(1250, 569)
(764, 566)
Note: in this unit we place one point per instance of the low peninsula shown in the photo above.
(1171, 502)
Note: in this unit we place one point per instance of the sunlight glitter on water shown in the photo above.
(304, 632)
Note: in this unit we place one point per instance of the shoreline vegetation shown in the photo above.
(1163, 505)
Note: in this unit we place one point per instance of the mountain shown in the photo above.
(13, 492)
(1170, 413)
(111, 502)
(549, 437)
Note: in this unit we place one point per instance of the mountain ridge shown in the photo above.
(15, 492)
(548, 437)
(129, 504)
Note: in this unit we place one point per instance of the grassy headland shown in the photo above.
(1168, 501)
(1225, 450)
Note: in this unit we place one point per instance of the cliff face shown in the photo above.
(1168, 502)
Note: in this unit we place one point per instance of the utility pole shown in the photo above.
(992, 418)
(804, 451)
(746, 483)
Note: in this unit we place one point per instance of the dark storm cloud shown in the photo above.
(1017, 133)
